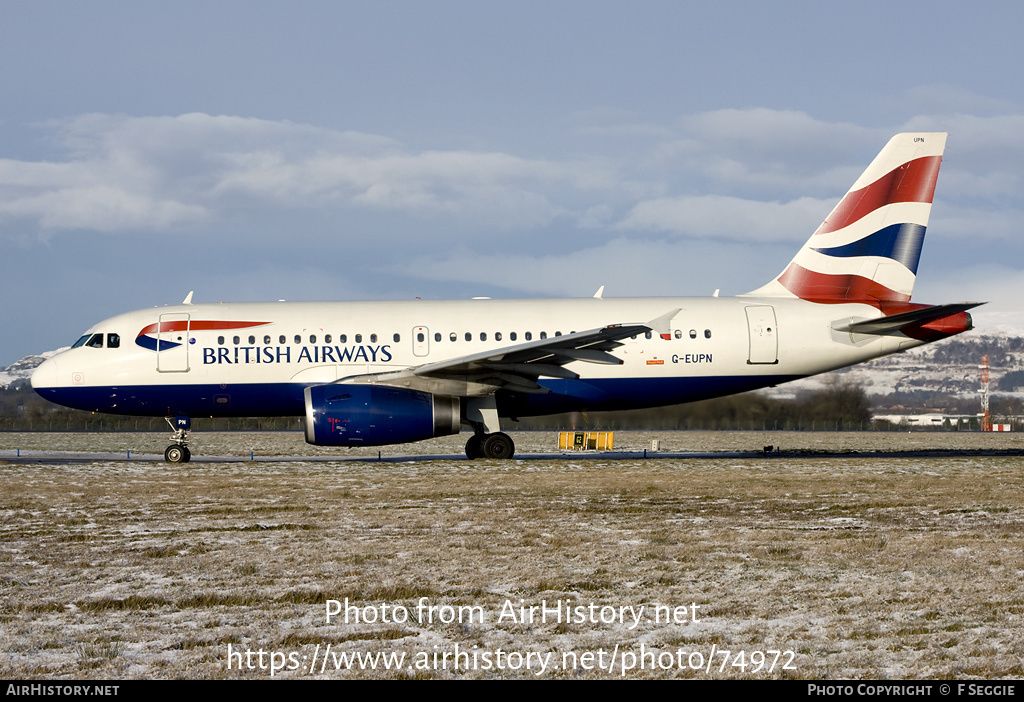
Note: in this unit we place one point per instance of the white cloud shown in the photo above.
(976, 223)
(159, 172)
(762, 130)
(764, 154)
(627, 267)
(732, 218)
(101, 207)
(754, 175)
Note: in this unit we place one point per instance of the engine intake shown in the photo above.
(376, 415)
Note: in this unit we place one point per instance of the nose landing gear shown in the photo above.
(178, 451)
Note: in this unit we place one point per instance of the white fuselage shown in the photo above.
(255, 359)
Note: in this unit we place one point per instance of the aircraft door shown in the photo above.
(172, 343)
(764, 342)
(420, 341)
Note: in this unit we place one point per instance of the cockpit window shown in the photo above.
(96, 341)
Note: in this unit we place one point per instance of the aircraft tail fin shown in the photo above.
(868, 248)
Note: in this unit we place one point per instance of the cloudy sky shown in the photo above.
(392, 150)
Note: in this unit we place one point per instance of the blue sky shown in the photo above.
(391, 150)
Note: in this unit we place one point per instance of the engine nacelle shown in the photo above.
(376, 415)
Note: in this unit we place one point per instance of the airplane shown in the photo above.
(380, 373)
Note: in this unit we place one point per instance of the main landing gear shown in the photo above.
(496, 445)
(178, 451)
(481, 413)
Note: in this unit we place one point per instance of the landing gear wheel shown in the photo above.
(177, 454)
(475, 447)
(178, 451)
(499, 445)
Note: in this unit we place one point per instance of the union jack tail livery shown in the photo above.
(868, 248)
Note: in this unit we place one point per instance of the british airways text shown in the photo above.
(305, 354)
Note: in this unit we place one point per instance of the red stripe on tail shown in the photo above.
(914, 181)
(832, 289)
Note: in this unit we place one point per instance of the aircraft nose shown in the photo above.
(45, 376)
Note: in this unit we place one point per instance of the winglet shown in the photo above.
(188, 298)
(600, 293)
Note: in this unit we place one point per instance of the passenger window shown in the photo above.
(236, 340)
(419, 337)
(281, 339)
(558, 333)
(252, 340)
(497, 336)
(312, 338)
(512, 336)
(220, 340)
(266, 340)
(373, 338)
(437, 336)
(528, 336)
(693, 333)
(113, 341)
(647, 335)
(343, 338)
(398, 337)
(359, 338)
(707, 333)
(543, 335)
(453, 336)
(483, 336)
(298, 339)
(96, 341)
(679, 333)
(469, 336)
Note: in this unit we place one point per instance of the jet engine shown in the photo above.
(376, 415)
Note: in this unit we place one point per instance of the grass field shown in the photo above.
(859, 566)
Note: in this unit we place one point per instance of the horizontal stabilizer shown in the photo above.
(914, 319)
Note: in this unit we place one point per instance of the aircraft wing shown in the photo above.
(516, 367)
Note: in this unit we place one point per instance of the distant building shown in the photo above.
(932, 419)
(938, 421)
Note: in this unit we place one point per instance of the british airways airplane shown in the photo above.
(377, 373)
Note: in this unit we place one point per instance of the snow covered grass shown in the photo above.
(862, 566)
(292, 443)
